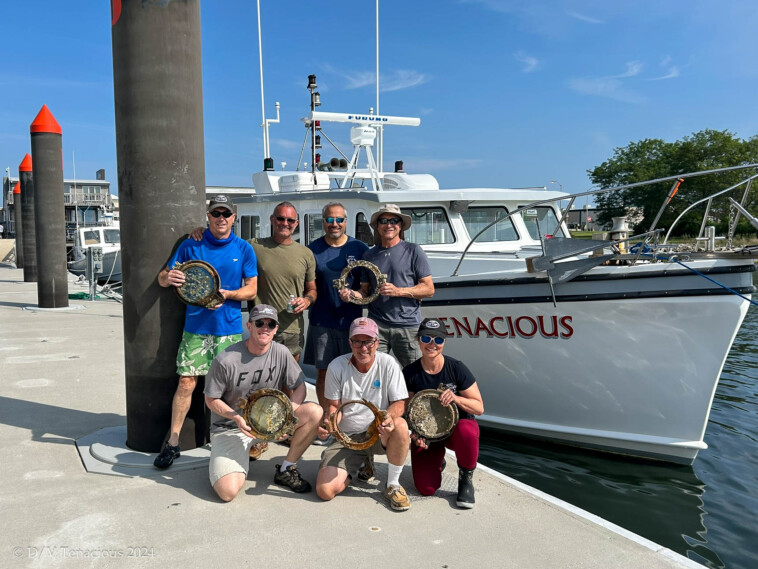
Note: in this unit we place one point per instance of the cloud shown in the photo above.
(584, 18)
(632, 68)
(398, 80)
(671, 71)
(610, 87)
(530, 63)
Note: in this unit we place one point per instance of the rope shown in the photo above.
(671, 259)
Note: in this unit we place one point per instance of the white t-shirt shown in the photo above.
(382, 384)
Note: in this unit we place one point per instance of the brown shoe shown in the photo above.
(257, 450)
(397, 497)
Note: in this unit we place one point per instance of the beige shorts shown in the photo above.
(293, 341)
(230, 453)
(346, 459)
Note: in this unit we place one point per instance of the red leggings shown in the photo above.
(427, 463)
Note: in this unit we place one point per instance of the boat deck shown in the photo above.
(63, 380)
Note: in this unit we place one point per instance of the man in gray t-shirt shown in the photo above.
(240, 370)
(397, 310)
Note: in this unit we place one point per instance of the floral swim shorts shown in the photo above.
(197, 351)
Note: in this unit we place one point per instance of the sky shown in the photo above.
(510, 93)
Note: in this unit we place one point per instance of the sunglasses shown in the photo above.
(363, 343)
(426, 339)
(333, 219)
(282, 219)
(390, 220)
(271, 324)
(226, 213)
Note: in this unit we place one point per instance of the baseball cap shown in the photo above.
(432, 327)
(364, 326)
(261, 311)
(221, 200)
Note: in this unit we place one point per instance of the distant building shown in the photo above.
(583, 219)
(86, 202)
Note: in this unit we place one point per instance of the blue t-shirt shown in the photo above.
(329, 311)
(234, 260)
(404, 264)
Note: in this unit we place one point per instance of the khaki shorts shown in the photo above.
(293, 341)
(349, 460)
(197, 351)
(401, 342)
(230, 453)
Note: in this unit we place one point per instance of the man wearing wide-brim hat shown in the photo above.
(397, 310)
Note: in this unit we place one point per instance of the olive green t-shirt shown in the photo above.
(283, 270)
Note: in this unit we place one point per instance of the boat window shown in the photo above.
(112, 236)
(363, 230)
(477, 218)
(429, 226)
(548, 222)
(313, 227)
(91, 237)
(250, 227)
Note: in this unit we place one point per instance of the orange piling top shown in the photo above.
(45, 122)
(17, 188)
(26, 164)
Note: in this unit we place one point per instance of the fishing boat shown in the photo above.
(108, 238)
(583, 342)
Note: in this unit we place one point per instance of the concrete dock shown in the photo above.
(62, 381)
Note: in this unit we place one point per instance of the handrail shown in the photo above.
(598, 192)
(692, 205)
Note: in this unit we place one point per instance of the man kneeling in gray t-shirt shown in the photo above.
(240, 370)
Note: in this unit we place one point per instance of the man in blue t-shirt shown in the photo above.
(208, 331)
(330, 317)
(397, 310)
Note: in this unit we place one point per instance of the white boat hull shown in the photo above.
(623, 364)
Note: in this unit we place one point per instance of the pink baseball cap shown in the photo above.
(364, 326)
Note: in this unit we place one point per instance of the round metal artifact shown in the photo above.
(341, 282)
(201, 284)
(429, 418)
(357, 441)
(269, 414)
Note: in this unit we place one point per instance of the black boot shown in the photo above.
(465, 498)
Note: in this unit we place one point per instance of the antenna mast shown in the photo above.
(380, 130)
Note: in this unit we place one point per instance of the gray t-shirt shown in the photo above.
(236, 373)
(404, 264)
(382, 384)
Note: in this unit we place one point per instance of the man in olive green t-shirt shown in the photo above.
(286, 269)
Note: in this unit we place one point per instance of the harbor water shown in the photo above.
(707, 511)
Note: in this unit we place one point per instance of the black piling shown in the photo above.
(157, 76)
(50, 226)
(19, 225)
(28, 219)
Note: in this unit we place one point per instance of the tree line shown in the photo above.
(655, 158)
